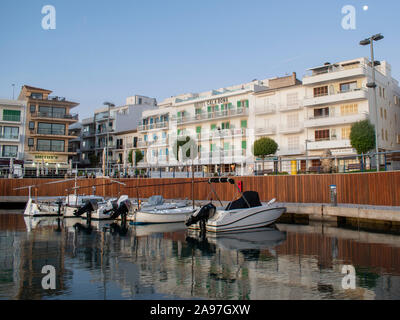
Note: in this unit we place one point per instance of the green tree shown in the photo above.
(138, 157)
(264, 147)
(362, 136)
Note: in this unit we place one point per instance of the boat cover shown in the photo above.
(155, 200)
(252, 198)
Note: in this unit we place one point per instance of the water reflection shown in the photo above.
(105, 260)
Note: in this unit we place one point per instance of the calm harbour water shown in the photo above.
(169, 262)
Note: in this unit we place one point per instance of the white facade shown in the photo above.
(304, 119)
(12, 129)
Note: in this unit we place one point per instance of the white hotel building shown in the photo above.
(304, 117)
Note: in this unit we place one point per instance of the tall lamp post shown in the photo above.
(372, 85)
(110, 105)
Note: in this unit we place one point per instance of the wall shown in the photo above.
(364, 188)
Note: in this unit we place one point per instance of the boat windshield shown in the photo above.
(249, 199)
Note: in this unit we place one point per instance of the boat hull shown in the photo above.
(165, 216)
(243, 219)
(33, 209)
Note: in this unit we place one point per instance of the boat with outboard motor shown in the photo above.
(247, 212)
(156, 210)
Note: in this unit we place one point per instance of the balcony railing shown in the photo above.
(213, 115)
(49, 132)
(36, 148)
(9, 136)
(151, 126)
(54, 115)
(224, 133)
(265, 130)
(292, 128)
(266, 109)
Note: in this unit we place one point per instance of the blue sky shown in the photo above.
(107, 50)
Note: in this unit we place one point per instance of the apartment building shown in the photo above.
(12, 130)
(125, 142)
(304, 117)
(46, 127)
(337, 96)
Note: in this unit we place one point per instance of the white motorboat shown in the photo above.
(156, 211)
(109, 210)
(73, 202)
(42, 208)
(245, 213)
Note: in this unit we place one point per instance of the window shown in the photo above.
(243, 104)
(383, 93)
(31, 125)
(51, 128)
(32, 108)
(10, 133)
(349, 109)
(321, 135)
(52, 112)
(213, 147)
(50, 145)
(31, 142)
(321, 91)
(321, 112)
(226, 146)
(11, 115)
(244, 145)
(386, 135)
(198, 129)
(293, 143)
(384, 111)
(213, 127)
(36, 95)
(140, 100)
(346, 132)
(292, 99)
(225, 125)
(292, 120)
(349, 86)
(10, 151)
(243, 124)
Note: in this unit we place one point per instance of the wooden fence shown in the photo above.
(360, 188)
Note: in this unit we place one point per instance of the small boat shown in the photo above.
(109, 210)
(41, 208)
(73, 202)
(245, 213)
(157, 211)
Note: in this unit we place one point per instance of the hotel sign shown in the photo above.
(44, 157)
(212, 102)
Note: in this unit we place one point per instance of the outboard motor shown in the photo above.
(88, 207)
(122, 210)
(201, 217)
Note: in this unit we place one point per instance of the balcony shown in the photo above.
(335, 73)
(222, 134)
(299, 150)
(332, 120)
(286, 108)
(336, 97)
(331, 143)
(9, 137)
(265, 109)
(270, 130)
(101, 132)
(297, 128)
(52, 133)
(152, 126)
(35, 149)
(212, 116)
(55, 116)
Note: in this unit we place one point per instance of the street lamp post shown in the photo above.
(365, 42)
(307, 141)
(109, 104)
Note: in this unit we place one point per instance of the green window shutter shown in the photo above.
(222, 107)
(247, 103)
(209, 109)
(216, 108)
(226, 146)
(213, 127)
(198, 129)
(227, 125)
(239, 104)
(244, 144)
(212, 147)
(179, 131)
(179, 114)
(11, 115)
(243, 124)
